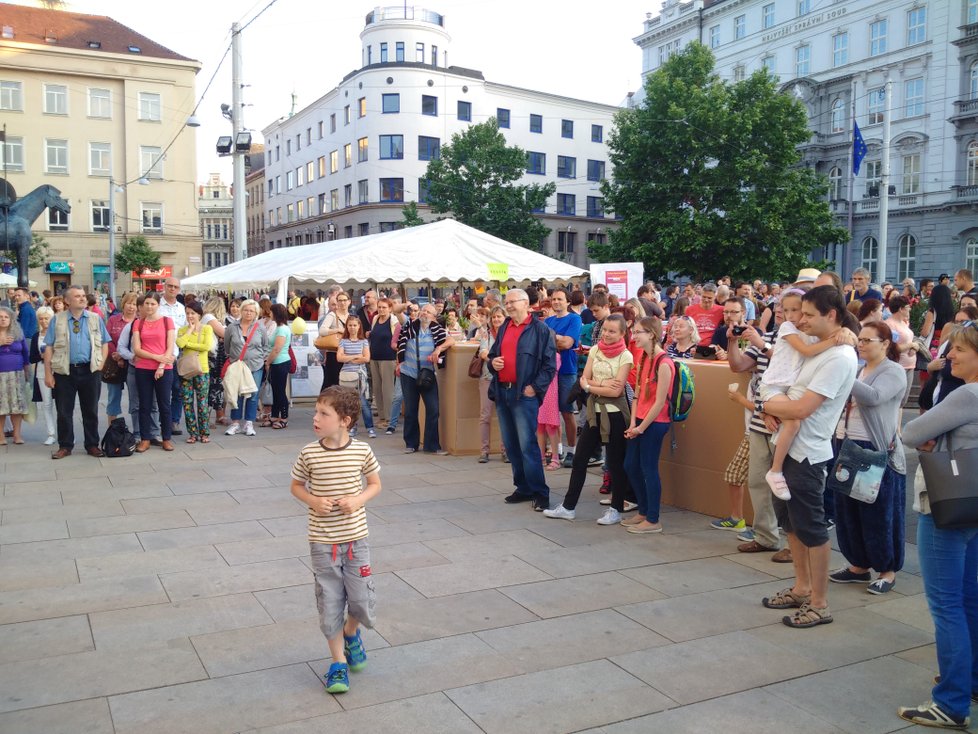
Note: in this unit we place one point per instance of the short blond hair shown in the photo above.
(964, 335)
(253, 303)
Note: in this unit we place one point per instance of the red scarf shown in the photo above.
(613, 350)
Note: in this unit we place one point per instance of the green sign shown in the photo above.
(498, 271)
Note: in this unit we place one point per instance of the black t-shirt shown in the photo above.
(380, 341)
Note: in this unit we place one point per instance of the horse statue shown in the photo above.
(16, 217)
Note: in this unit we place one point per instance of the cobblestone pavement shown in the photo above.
(172, 593)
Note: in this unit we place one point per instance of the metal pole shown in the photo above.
(112, 273)
(843, 267)
(237, 125)
(885, 184)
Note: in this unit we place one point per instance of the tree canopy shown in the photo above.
(706, 178)
(475, 178)
(137, 255)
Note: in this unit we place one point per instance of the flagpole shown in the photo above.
(885, 185)
(844, 267)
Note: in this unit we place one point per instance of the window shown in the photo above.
(877, 38)
(392, 189)
(361, 150)
(974, 81)
(390, 104)
(916, 26)
(55, 99)
(595, 170)
(567, 129)
(321, 166)
(362, 107)
(289, 213)
(835, 184)
(363, 191)
(714, 36)
(309, 136)
(767, 16)
(288, 147)
(332, 123)
(300, 210)
(363, 229)
(434, 55)
(803, 57)
(838, 116)
(874, 175)
(370, 55)
(278, 184)
(536, 123)
(911, 173)
(347, 155)
(424, 190)
(566, 242)
(11, 96)
(840, 49)
(566, 167)
(464, 111)
(428, 148)
(334, 200)
(383, 53)
(502, 117)
(598, 238)
(348, 195)
(595, 207)
(149, 106)
(320, 131)
(399, 52)
(334, 161)
(152, 217)
(99, 155)
(913, 97)
(804, 7)
(346, 115)
(536, 163)
(740, 27)
(739, 73)
(567, 204)
(289, 180)
(972, 17)
(597, 133)
(419, 52)
(972, 164)
(768, 62)
(667, 50)
(877, 105)
(391, 147)
(870, 256)
(310, 171)
(299, 176)
(57, 220)
(429, 105)
(151, 161)
(100, 216)
(907, 256)
(310, 208)
(56, 156)
(100, 103)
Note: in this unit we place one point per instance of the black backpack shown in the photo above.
(118, 439)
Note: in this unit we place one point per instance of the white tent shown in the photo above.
(445, 252)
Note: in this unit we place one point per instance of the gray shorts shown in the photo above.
(344, 584)
(804, 514)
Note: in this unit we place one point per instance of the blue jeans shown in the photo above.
(366, 413)
(642, 467)
(412, 431)
(248, 405)
(949, 566)
(176, 401)
(154, 415)
(517, 416)
(113, 398)
(151, 389)
(396, 403)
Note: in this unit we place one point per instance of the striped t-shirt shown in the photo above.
(335, 473)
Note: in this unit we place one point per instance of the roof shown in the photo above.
(61, 29)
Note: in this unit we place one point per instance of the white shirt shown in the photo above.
(178, 313)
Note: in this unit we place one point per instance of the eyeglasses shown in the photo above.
(342, 300)
(640, 331)
(868, 341)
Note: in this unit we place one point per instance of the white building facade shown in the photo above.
(346, 164)
(214, 208)
(837, 57)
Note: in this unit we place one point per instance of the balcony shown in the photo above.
(405, 12)
(965, 110)
(967, 193)
(969, 34)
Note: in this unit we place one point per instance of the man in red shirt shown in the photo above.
(706, 314)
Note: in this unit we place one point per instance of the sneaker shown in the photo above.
(729, 523)
(930, 714)
(747, 535)
(596, 460)
(353, 433)
(250, 429)
(778, 485)
(845, 576)
(880, 586)
(629, 506)
(338, 678)
(51, 440)
(517, 497)
(829, 524)
(560, 512)
(505, 458)
(356, 656)
(606, 483)
(372, 433)
(233, 429)
(539, 505)
(568, 461)
(390, 430)
(611, 516)
(484, 458)
(606, 501)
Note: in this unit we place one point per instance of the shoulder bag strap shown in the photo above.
(247, 342)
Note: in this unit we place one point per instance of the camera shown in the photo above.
(738, 330)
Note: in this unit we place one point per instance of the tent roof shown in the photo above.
(445, 251)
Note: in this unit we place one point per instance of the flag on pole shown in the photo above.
(858, 148)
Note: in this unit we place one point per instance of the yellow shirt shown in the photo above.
(200, 342)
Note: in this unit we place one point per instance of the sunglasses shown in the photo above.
(76, 327)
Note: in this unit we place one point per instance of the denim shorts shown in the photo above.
(804, 514)
(565, 384)
(343, 584)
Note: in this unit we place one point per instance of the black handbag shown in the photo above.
(951, 487)
(857, 472)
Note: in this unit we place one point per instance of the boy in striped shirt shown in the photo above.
(327, 476)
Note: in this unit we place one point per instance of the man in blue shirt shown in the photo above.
(567, 326)
(26, 316)
(860, 287)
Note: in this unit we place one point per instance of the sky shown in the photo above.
(566, 47)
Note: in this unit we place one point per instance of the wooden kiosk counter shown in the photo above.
(692, 472)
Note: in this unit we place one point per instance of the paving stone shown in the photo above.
(260, 495)
(910, 610)
(420, 510)
(208, 484)
(618, 696)
(56, 550)
(403, 556)
(281, 527)
(473, 575)
(576, 638)
(222, 705)
(25, 573)
(580, 594)
(182, 502)
(267, 549)
(44, 638)
(762, 562)
(607, 556)
(34, 683)
(235, 579)
(283, 507)
(28, 532)
(78, 717)
(95, 596)
(15, 484)
(432, 714)
(925, 656)
(207, 535)
(490, 545)
(410, 532)
(149, 563)
(84, 528)
(63, 512)
(401, 622)
(140, 626)
(430, 492)
(28, 500)
(582, 531)
(107, 493)
(692, 577)
(299, 602)
(479, 522)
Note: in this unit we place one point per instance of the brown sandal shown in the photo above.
(808, 616)
(785, 599)
(277, 424)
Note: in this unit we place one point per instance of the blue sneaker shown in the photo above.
(356, 655)
(747, 535)
(338, 678)
(729, 523)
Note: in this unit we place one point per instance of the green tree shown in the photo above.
(137, 255)
(411, 216)
(476, 180)
(706, 177)
(37, 253)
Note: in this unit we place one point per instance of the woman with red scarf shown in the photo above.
(608, 416)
